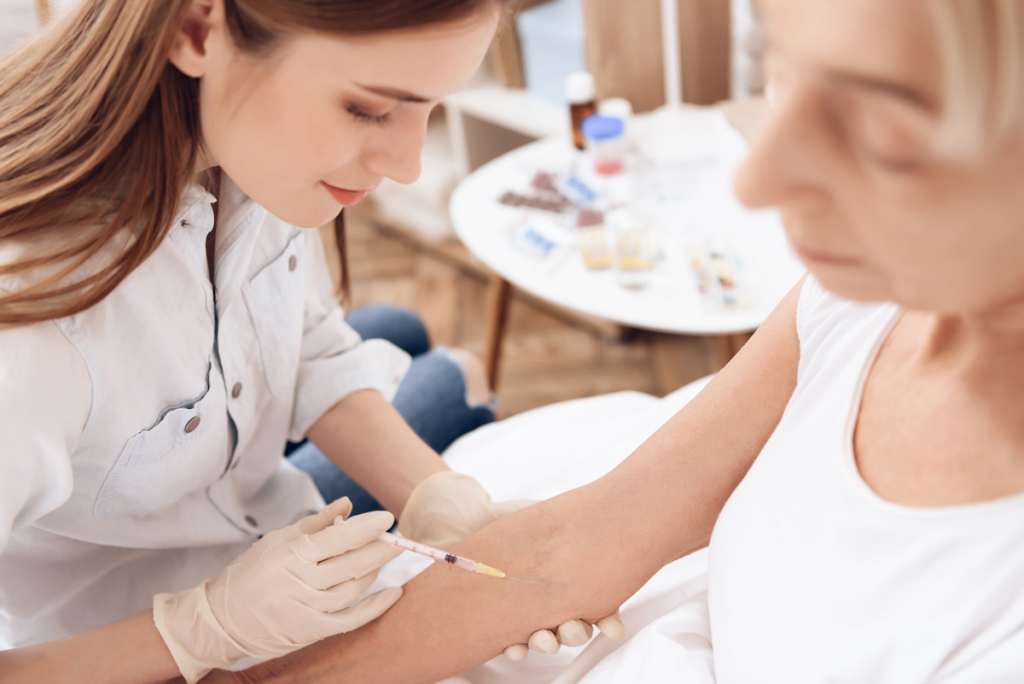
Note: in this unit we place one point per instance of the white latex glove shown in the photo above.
(448, 507)
(277, 597)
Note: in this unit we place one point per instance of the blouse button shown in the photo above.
(293, 262)
(191, 426)
(236, 391)
(250, 520)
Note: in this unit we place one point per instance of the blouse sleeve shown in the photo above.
(335, 361)
(45, 399)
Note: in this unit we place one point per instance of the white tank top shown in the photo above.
(814, 578)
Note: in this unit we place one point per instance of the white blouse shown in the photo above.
(143, 438)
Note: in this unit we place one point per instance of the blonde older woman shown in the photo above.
(858, 469)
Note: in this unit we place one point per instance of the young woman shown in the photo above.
(858, 469)
(168, 323)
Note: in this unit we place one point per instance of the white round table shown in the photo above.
(705, 208)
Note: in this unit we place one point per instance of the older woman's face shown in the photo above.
(847, 158)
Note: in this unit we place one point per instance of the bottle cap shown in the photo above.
(599, 127)
(618, 107)
(579, 87)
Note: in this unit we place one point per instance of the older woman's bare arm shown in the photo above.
(587, 550)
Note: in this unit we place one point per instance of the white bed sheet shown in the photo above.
(551, 450)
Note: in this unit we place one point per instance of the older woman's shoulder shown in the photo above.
(828, 324)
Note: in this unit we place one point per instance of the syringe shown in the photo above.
(436, 554)
(439, 555)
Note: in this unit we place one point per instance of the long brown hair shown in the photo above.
(99, 134)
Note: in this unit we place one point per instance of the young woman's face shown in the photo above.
(324, 119)
(847, 159)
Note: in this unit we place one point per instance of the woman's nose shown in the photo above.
(785, 159)
(397, 153)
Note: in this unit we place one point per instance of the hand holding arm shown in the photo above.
(447, 508)
(589, 549)
(365, 437)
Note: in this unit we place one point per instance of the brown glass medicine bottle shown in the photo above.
(581, 93)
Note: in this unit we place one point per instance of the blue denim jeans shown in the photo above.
(431, 398)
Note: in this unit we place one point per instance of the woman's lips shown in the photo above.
(806, 255)
(345, 198)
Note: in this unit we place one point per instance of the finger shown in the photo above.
(276, 538)
(348, 566)
(574, 633)
(368, 610)
(337, 539)
(308, 525)
(543, 641)
(517, 652)
(314, 523)
(612, 626)
(340, 595)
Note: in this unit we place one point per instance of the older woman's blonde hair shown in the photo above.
(981, 43)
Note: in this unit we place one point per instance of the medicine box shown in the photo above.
(553, 46)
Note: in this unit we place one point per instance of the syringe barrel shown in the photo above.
(428, 551)
(436, 554)
(464, 563)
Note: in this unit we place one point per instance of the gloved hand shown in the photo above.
(448, 507)
(276, 597)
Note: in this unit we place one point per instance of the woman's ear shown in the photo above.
(190, 51)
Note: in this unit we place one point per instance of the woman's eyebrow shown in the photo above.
(394, 93)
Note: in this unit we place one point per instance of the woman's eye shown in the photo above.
(362, 115)
(888, 140)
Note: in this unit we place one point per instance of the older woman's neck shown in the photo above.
(986, 344)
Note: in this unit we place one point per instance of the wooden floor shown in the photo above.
(549, 356)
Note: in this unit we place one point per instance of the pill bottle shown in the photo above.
(619, 108)
(581, 93)
(606, 141)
